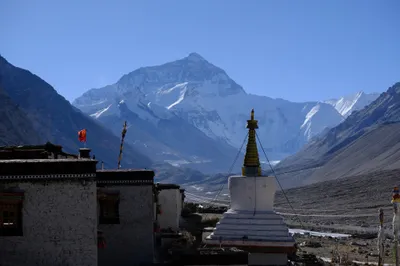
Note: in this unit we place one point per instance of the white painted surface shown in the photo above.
(179, 202)
(315, 233)
(180, 207)
(134, 231)
(251, 220)
(249, 193)
(59, 225)
(396, 222)
(170, 208)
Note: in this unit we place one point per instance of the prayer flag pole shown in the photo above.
(82, 137)
(124, 130)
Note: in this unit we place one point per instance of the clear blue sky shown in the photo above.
(296, 50)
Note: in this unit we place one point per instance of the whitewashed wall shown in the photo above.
(170, 201)
(179, 202)
(131, 241)
(59, 226)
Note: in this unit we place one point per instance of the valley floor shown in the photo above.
(349, 205)
(360, 247)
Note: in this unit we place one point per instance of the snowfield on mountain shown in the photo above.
(193, 95)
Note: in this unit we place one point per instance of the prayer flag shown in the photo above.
(82, 135)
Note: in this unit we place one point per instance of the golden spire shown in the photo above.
(251, 165)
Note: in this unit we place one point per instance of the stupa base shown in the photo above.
(246, 228)
(255, 247)
(264, 253)
(258, 259)
(263, 234)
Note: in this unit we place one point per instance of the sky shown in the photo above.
(296, 50)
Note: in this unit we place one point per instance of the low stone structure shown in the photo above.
(47, 212)
(57, 209)
(125, 209)
(170, 206)
(182, 199)
(210, 256)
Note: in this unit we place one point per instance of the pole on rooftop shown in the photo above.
(124, 130)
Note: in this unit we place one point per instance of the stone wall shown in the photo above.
(180, 202)
(59, 225)
(130, 242)
(170, 200)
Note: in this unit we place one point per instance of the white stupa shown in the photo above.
(251, 223)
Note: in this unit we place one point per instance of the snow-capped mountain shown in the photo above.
(366, 141)
(314, 121)
(194, 100)
(347, 104)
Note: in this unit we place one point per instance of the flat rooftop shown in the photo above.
(36, 167)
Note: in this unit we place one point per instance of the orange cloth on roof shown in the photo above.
(82, 135)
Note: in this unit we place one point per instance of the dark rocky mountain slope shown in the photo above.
(15, 127)
(56, 120)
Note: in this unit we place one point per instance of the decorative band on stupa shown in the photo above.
(251, 165)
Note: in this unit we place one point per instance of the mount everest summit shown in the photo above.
(191, 112)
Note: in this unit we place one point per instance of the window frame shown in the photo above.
(108, 206)
(11, 200)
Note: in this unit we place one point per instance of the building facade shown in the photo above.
(48, 212)
(170, 206)
(125, 211)
(57, 209)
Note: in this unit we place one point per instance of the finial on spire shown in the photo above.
(251, 165)
(252, 123)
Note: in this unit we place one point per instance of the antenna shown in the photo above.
(124, 130)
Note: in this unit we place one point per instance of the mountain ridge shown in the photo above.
(177, 124)
(34, 113)
(348, 149)
(204, 96)
(15, 126)
(55, 120)
(345, 105)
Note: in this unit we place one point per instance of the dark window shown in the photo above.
(109, 207)
(11, 213)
